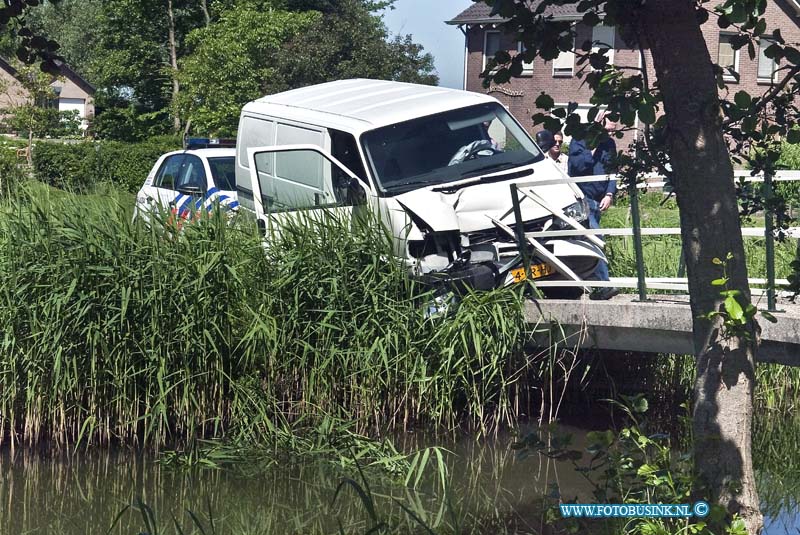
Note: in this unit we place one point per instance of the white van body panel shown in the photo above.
(359, 105)
(476, 211)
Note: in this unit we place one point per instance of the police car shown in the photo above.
(187, 183)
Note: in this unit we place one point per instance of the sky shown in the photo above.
(424, 20)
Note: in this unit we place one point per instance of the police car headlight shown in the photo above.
(579, 211)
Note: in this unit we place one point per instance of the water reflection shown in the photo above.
(84, 494)
(488, 486)
(776, 458)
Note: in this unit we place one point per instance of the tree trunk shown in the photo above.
(206, 15)
(710, 228)
(173, 56)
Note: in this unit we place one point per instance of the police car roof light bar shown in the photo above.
(190, 143)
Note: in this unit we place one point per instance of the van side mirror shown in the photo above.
(356, 195)
(262, 227)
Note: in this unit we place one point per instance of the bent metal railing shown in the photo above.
(641, 282)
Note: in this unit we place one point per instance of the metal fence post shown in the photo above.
(769, 238)
(633, 193)
(519, 227)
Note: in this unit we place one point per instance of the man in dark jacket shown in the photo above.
(586, 161)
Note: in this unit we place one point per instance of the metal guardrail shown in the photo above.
(527, 240)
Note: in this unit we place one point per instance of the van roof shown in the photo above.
(359, 105)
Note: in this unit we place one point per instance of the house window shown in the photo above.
(603, 37)
(564, 64)
(766, 66)
(727, 57)
(527, 67)
(491, 45)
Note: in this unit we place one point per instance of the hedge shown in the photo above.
(790, 159)
(82, 166)
(12, 172)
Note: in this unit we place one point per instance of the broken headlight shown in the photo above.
(579, 211)
(446, 244)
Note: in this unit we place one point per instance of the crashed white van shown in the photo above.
(434, 164)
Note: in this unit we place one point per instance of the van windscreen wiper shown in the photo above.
(485, 180)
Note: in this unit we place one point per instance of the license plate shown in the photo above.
(537, 272)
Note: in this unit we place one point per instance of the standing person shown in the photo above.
(585, 161)
(551, 144)
(556, 154)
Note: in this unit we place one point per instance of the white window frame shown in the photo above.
(775, 64)
(527, 68)
(485, 41)
(563, 73)
(597, 43)
(725, 74)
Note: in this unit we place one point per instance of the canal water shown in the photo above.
(488, 484)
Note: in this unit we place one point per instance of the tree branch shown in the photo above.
(768, 96)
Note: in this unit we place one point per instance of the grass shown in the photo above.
(662, 253)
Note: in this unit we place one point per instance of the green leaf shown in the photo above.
(590, 18)
(769, 317)
(647, 113)
(502, 76)
(792, 55)
(716, 261)
(737, 527)
(761, 27)
(733, 308)
(545, 102)
(742, 99)
(774, 51)
(646, 470)
(719, 282)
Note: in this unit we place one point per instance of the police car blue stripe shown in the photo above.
(184, 204)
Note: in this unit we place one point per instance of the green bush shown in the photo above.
(83, 166)
(790, 159)
(127, 124)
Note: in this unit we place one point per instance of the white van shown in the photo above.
(434, 164)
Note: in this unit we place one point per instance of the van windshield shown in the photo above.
(448, 146)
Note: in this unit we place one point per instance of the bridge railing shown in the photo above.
(641, 282)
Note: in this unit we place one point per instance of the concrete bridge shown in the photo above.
(662, 324)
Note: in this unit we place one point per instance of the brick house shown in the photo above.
(71, 90)
(557, 78)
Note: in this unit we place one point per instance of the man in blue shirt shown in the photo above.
(586, 161)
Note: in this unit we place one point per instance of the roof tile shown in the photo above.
(481, 12)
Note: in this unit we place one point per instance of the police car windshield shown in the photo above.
(223, 172)
(446, 147)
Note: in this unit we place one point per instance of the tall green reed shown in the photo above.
(113, 331)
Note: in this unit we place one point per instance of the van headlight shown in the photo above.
(579, 211)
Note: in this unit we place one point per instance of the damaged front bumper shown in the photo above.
(462, 276)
